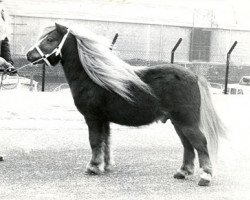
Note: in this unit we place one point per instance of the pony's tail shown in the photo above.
(210, 123)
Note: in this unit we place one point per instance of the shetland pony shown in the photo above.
(106, 89)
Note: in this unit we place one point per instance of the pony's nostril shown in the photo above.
(28, 56)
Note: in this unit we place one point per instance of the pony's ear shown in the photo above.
(61, 29)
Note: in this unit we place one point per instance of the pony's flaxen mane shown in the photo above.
(104, 67)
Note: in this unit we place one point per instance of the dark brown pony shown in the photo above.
(106, 89)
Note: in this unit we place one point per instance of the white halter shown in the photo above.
(57, 50)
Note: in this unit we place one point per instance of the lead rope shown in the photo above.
(44, 57)
(15, 70)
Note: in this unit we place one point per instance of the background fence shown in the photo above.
(202, 50)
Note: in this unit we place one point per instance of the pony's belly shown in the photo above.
(133, 121)
(138, 118)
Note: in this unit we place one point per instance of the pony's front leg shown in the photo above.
(97, 143)
(107, 148)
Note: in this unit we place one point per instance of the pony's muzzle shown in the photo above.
(29, 57)
(32, 56)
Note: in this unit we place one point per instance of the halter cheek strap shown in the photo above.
(60, 46)
(56, 51)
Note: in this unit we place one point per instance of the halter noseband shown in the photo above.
(56, 51)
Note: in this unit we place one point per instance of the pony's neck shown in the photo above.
(70, 61)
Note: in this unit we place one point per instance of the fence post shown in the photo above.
(173, 50)
(43, 77)
(227, 65)
(114, 41)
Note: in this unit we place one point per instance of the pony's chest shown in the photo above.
(89, 102)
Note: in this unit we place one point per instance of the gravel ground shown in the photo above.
(44, 142)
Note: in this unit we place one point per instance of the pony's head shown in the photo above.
(48, 49)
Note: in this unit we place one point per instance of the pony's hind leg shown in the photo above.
(97, 140)
(199, 142)
(187, 167)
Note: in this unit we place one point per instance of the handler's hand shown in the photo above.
(7, 67)
(3, 63)
(11, 70)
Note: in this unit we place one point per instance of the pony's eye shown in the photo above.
(49, 39)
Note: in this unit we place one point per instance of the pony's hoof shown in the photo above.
(94, 170)
(1, 158)
(108, 165)
(108, 168)
(205, 179)
(180, 174)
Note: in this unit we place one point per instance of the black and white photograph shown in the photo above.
(124, 100)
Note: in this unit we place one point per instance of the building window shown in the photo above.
(200, 45)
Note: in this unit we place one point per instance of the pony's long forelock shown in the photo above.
(105, 68)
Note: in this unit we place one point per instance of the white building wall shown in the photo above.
(138, 41)
(221, 42)
(135, 41)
